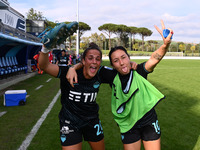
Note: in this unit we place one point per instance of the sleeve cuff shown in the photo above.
(145, 69)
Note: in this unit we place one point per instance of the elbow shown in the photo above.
(42, 65)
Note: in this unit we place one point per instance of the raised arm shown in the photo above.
(157, 55)
(45, 65)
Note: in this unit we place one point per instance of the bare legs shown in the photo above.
(94, 145)
(148, 145)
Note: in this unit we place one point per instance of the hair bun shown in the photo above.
(93, 45)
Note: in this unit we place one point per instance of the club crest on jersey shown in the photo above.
(63, 138)
(96, 85)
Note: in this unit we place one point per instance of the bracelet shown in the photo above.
(44, 50)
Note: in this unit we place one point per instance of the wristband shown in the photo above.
(44, 50)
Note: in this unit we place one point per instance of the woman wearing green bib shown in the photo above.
(134, 98)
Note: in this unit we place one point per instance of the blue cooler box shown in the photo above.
(15, 97)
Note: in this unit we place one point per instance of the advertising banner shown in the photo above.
(12, 20)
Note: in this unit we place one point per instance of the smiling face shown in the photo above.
(121, 62)
(91, 62)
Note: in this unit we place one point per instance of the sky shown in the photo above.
(182, 16)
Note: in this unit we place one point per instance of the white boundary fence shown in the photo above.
(166, 57)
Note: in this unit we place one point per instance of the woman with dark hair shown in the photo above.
(134, 98)
(79, 113)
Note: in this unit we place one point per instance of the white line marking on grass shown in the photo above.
(36, 127)
(3, 113)
(39, 87)
(49, 80)
(27, 96)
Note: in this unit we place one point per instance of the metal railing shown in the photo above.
(5, 29)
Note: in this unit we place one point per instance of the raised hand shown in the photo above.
(167, 40)
(72, 76)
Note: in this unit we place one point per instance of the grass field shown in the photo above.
(178, 114)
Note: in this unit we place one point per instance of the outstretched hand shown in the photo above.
(167, 40)
(72, 76)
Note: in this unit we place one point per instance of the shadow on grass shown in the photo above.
(178, 117)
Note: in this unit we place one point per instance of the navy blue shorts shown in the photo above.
(92, 132)
(149, 132)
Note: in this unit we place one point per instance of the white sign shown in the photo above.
(12, 20)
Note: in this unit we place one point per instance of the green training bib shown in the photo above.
(130, 105)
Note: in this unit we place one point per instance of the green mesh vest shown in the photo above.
(130, 105)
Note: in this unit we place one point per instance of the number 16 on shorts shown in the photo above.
(156, 126)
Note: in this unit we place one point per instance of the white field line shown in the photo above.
(49, 80)
(39, 87)
(3, 113)
(36, 127)
(27, 96)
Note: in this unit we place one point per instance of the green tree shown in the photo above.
(144, 32)
(153, 45)
(98, 39)
(72, 41)
(50, 23)
(85, 42)
(83, 27)
(122, 31)
(102, 39)
(192, 48)
(182, 47)
(188, 48)
(173, 47)
(133, 32)
(197, 47)
(108, 29)
(136, 46)
(34, 15)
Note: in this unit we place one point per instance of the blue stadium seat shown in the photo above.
(6, 66)
(4, 70)
(16, 64)
(12, 64)
(9, 65)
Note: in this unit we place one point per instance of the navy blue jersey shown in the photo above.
(79, 103)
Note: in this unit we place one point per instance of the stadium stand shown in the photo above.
(17, 47)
